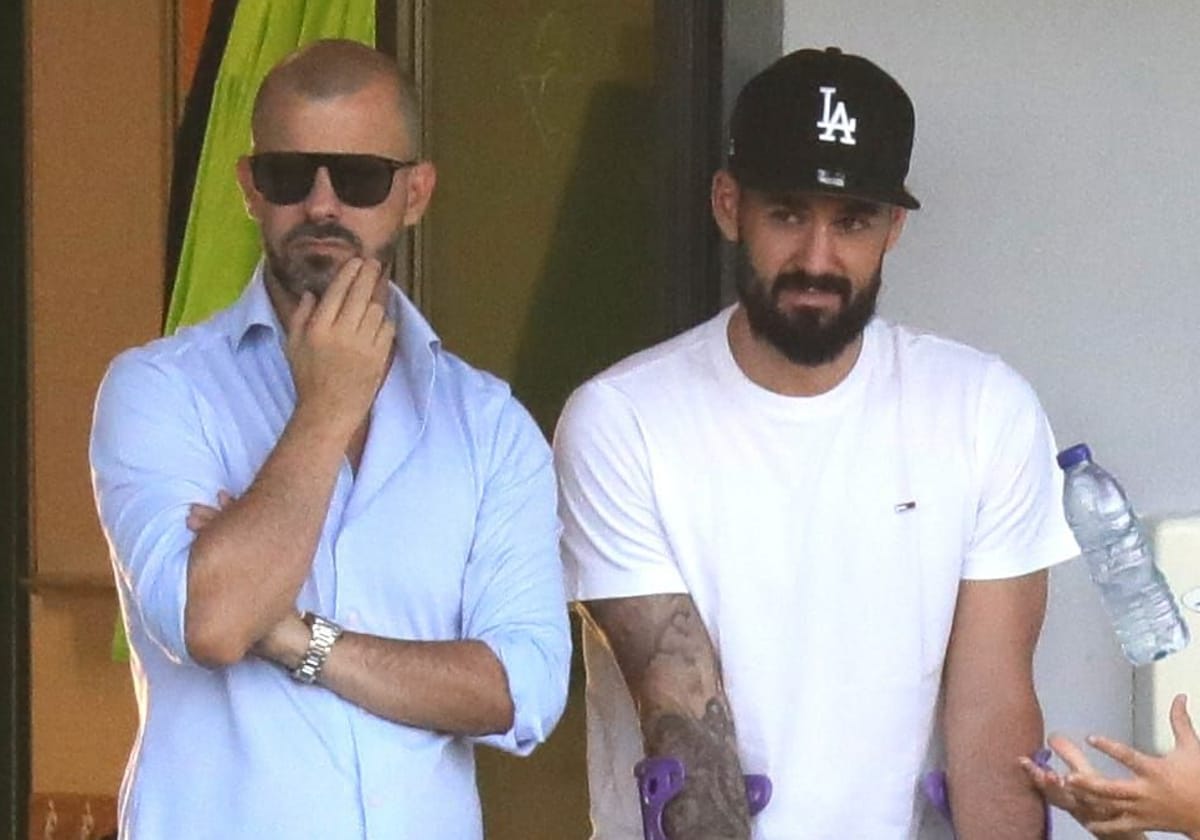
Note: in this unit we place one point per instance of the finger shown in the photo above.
(224, 499)
(1136, 761)
(1181, 723)
(301, 316)
(334, 296)
(199, 516)
(1102, 791)
(359, 293)
(1050, 786)
(1040, 776)
(1119, 823)
(1061, 798)
(372, 318)
(1071, 754)
(386, 334)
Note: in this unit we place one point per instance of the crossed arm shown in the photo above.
(228, 590)
(246, 566)
(450, 686)
(668, 661)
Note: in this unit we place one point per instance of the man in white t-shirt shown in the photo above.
(793, 528)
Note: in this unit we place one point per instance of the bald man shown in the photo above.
(334, 542)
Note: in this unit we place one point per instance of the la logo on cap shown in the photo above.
(835, 120)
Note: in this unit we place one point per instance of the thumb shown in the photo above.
(1181, 722)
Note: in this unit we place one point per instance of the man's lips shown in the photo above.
(321, 242)
(808, 297)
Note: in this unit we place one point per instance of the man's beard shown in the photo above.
(807, 335)
(297, 272)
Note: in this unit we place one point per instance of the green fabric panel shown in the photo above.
(221, 244)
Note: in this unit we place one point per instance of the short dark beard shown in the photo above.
(299, 273)
(801, 336)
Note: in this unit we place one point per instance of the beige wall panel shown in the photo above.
(98, 151)
(84, 716)
(98, 157)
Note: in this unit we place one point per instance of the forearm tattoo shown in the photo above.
(713, 801)
(666, 656)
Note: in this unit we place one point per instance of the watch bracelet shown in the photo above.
(322, 634)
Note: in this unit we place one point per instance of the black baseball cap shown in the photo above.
(826, 121)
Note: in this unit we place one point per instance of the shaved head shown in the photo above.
(328, 69)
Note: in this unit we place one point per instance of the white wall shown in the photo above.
(1054, 159)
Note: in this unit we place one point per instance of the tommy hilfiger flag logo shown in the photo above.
(835, 120)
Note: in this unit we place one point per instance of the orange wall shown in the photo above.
(100, 102)
(192, 20)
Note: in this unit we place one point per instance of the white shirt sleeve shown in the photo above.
(613, 543)
(1020, 526)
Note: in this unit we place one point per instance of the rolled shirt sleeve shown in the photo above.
(513, 597)
(150, 461)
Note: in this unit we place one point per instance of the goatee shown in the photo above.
(302, 271)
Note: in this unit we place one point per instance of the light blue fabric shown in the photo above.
(448, 531)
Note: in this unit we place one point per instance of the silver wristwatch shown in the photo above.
(323, 633)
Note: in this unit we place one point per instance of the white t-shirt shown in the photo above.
(823, 540)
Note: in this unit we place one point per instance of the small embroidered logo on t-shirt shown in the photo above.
(905, 507)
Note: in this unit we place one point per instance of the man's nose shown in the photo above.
(815, 252)
(322, 201)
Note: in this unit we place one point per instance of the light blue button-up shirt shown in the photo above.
(447, 532)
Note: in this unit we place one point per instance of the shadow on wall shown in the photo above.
(594, 303)
(596, 299)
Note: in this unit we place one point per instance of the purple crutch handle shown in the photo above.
(660, 779)
(934, 788)
(758, 792)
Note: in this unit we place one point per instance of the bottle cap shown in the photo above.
(1073, 455)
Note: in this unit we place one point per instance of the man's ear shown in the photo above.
(251, 197)
(419, 183)
(899, 215)
(726, 200)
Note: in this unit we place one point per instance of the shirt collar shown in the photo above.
(252, 309)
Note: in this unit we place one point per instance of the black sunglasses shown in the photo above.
(358, 180)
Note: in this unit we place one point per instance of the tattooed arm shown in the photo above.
(668, 661)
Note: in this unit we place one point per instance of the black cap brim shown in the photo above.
(816, 179)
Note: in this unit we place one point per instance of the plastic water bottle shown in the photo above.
(1135, 594)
